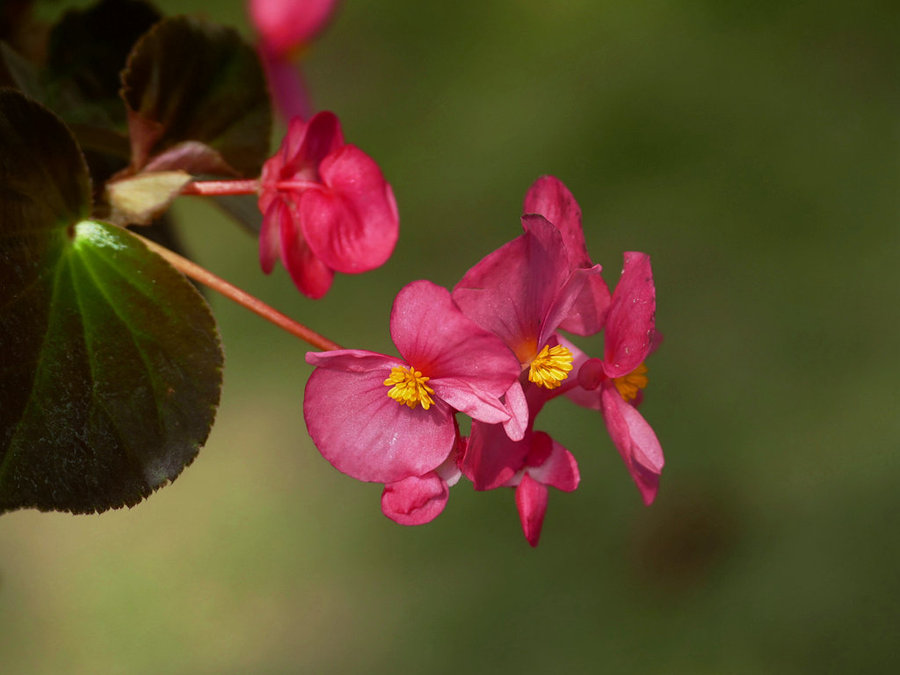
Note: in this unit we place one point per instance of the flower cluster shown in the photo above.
(492, 349)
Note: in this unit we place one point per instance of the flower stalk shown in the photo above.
(221, 187)
(254, 304)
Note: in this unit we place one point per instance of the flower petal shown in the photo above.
(433, 335)
(558, 469)
(491, 459)
(630, 325)
(309, 273)
(563, 306)
(353, 361)
(415, 500)
(531, 501)
(366, 434)
(352, 222)
(466, 397)
(270, 234)
(517, 406)
(635, 441)
(306, 145)
(512, 290)
(551, 199)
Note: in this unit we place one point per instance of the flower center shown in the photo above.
(629, 385)
(550, 367)
(408, 387)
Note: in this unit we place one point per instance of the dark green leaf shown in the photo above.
(190, 80)
(87, 52)
(110, 360)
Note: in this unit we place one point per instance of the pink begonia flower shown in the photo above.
(522, 292)
(326, 207)
(615, 383)
(384, 419)
(549, 198)
(540, 462)
(285, 28)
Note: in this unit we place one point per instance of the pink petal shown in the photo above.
(366, 434)
(539, 450)
(284, 25)
(551, 199)
(286, 85)
(270, 234)
(588, 311)
(353, 361)
(635, 441)
(558, 467)
(564, 305)
(630, 325)
(433, 335)
(517, 406)
(491, 459)
(415, 500)
(307, 145)
(512, 290)
(531, 501)
(352, 223)
(467, 397)
(309, 273)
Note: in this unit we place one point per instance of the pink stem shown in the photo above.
(255, 305)
(221, 187)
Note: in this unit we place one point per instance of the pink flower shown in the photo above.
(522, 292)
(539, 462)
(385, 419)
(285, 28)
(615, 383)
(326, 207)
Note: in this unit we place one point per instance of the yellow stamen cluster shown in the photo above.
(550, 367)
(409, 388)
(629, 385)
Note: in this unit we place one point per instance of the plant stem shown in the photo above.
(255, 305)
(221, 187)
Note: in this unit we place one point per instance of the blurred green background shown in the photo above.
(753, 149)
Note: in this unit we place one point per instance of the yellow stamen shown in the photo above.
(409, 388)
(629, 385)
(551, 366)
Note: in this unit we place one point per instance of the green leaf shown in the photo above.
(109, 358)
(193, 83)
(87, 52)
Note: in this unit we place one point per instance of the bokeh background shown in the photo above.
(753, 149)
